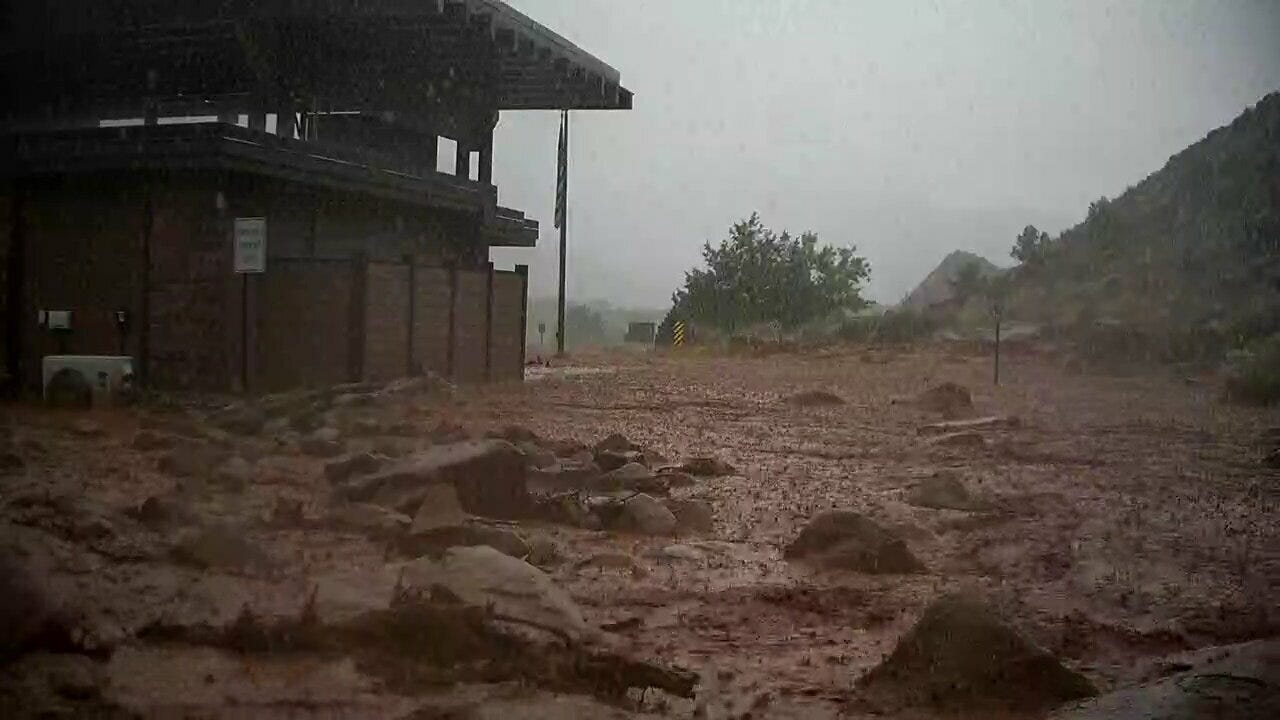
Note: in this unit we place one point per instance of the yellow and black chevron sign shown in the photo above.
(677, 333)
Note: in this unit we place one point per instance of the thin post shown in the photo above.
(997, 363)
(564, 226)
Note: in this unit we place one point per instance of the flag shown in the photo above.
(562, 169)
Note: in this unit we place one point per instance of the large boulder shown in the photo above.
(961, 656)
(692, 516)
(468, 533)
(847, 540)
(488, 475)
(440, 508)
(484, 577)
(643, 514)
(565, 475)
(1235, 682)
(221, 547)
(632, 476)
(613, 459)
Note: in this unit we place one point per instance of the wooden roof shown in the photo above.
(411, 55)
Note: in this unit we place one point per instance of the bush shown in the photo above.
(1254, 377)
(894, 326)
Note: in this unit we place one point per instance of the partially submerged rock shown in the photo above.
(221, 547)
(944, 490)
(632, 476)
(948, 399)
(991, 422)
(468, 533)
(348, 466)
(847, 540)
(1235, 682)
(617, 442)
(371, 519)
(963, 439)
(707, 467)
(643, 514)
(693, 516)
(440, 508)
(960, 654)
(488, 475)
(484, 577)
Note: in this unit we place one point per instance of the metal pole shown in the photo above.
(997, 363)
(564, 226)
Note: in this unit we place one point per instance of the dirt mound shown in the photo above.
(944, 491)
(961, 656)
(949, 399)
(849, 541)
(815, 398)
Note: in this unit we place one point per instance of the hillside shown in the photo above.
(1187, 261)
(936, 288)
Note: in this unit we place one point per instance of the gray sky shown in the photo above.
(908, 129)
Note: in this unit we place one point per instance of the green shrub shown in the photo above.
(1254, 377)
(894, 326)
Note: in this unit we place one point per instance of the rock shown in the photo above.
(991, 422)
(148, 440)
(1234, 682)
(944, 491)
(568, 475)
(516, 434)
(617, 442)
(191, 459)
(677, 479)
(86, 428)
(707, 467)
(632, 476)
(959, 654)
(643, 514)
(815, 398)
(157, 513)
(439, 508)
(967, 438)
(320, 447)
(484, 577)
(448, 432)
(241, 420)
(234, 475)
(220, 547)
(614, 459)
(437, 540)
(949, 399)
(543, 551)
(566, 448)
(348, 466)
(695, 516)
(372, 519)
(847, 540)
(11, 462)
(537, 457)
(70, 389)
(489, 476)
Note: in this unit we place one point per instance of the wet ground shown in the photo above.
(1129, 519)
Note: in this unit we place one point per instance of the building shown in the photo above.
(141, 141)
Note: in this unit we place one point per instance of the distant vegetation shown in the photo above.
(757, 277)
(594, 323)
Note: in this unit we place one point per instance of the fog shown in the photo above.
(907, 129)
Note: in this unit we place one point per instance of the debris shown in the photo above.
(847, 540)
(967, 438)
(344, 468)
(815, 398)
(675, 552)
(220, 547)
(959, 654)
(148, 440)
(991, 422)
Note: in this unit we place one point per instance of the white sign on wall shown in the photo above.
(251, 245)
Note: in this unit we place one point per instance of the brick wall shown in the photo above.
(304, 312)
(386, 324)
(431, 319)
(506, 341)
(469, 328)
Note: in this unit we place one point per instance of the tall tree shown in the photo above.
(1029, 246)
(757, 276)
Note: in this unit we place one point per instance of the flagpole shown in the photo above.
(564, 226)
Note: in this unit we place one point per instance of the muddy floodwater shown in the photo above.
(1115, 521)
